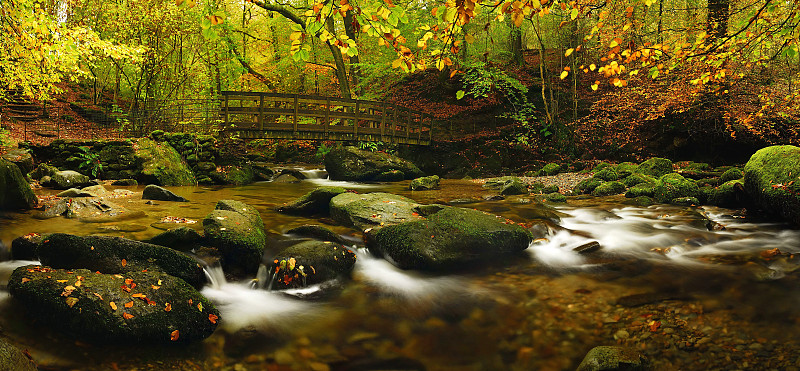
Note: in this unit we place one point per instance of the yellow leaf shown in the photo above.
(568, 52)
(215, 19)
(592, 67)
(295, 35)
(396, 63)
(113, 305)
(71, 301)
(594, 86)
(627, 27)
(469, 38)
(574, 13)
(613, 44)
(634, 72)
(564, 75)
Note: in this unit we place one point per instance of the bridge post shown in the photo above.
(393, 126)
(327, 115)
(408, 127)
(355, 121)
(294, 124)
(227, 114)
(383, 121)
(261, 113)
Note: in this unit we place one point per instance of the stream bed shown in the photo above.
(662, 283)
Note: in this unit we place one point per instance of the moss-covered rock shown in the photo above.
(507, 185)
(731, 194)
(89, 210)
(134, 307)
(69, 179)
(233, 175)
(154, 192)
(351, 163)
(655, 166)
(20, 157)
(125, 183)
(614, 358)
(634, 179)
(550, 189)
(641, 201)
(310, 262)
(316, 232)
(731, 174)
(772, 179)
(27, 247)
(372, 209)
(449, 238)
(315, 202)
(625, 169)
(238, 234)
(586, 186)
(43, 170)
(672, 186)
(425, 183)
(607, 175)
(161, 164)
(13, 359)
(551, 169)
(600, 167)
(609, 189)
(685, 201)
(15, 192)
(556, 197)
(642, 189)
(390, 176)
(117, 255)
(181, 239)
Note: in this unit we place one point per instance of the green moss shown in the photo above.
(556, 197)
(551, 169)
(586, 186)
(424, 183)
(672, 186)
(372, 209)
(314, 202)
(15, 192)
(731, 174)
(685, 201)
(240, 241)
(655, 166)
(634, 179)
(729, 194)
(607, 175)
(550, 189)
(609, 189)
(162, 165)
(13, 359)
(625, 169)
(600, 167)
(315, 262)
(507, 185)
(641, 201)
(643, 189)
(390, 176)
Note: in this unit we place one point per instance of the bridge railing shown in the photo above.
(297, 116)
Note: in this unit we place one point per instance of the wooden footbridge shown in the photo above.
(294, 116)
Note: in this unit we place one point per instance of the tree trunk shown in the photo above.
(352, 33)
(516, 45)
(338, 61)
(718, 15)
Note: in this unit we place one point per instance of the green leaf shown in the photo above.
(459, 94)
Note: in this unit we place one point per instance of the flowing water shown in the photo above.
(662, 282)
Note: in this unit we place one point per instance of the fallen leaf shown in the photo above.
(98, 295)
(61, 281)
(71, 301)
(200, 306)
(129, 304)
(113, 305)
(212, 318)
(154, 287)
(26, 280)
(167, 307)
(124, 262)
(174, 335)
(127, 315)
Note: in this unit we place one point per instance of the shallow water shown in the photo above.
(687, 297)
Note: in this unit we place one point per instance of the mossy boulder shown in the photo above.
(390, 176)
(672, 186)
(772, 179)
(27, 247)
(449, 238)
(89, 210)
(685, 201)
(551, 169)
(556, 197)
(609, 189)
(372, 209)
(154, 192)
(600, 167)
(134, 307)
(181, 239)
(586, 186)
(233, 175)
(607, 358)
(161, 164)
(731, 194)
(607, 175)
(315, 202)
(731, 174)
(655, 166)
(507, 185)
(642, 189)
(550, 189)
(634, 179)
(13, 359)
(625, 169)
(69, 179)
(15, 192)
(20, 157)
(316, 232)
(43, 170)
(310, 262)
(351, 163)
(425, 183)
(114, 255)
(237, 231)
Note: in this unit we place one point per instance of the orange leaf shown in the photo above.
(174, 335)
(167, 307)
(212, 318)
(124, 262)
(127, 315)
(129, 304)
(140, 296)
(26, 280)
(654, 325)
(113, 305)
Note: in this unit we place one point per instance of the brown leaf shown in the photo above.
(212, 318)
(26, 280)
(167, 307)
(124, 262)
(129, 304)
(174, 335)
(71, 301)
(98, 295)
(127, 315)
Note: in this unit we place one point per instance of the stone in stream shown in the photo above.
(351, 163)
(448, 238)
(308, 263)
(181, 239)
(20, 157)
(655, 166)
(673, 186)
(286, 178)
(131, 307)
(614, 358)
(315, 202)
(608, 189)
(69, 179)
(117, 255)
(154, 192)
(26, 247)
(316, 232)
(237, 231)
(88, 210)
(587, 248)
(75, 192)
(41, 171)
(507, 185)
(161, 164)
(372, 209)
(772, 179)
(13, 359)
(233, 174)
(125, 182)
(425, 183)
(15, 192)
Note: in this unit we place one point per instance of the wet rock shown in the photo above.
(351, 163)
(672, 186)
(15, 192)
(507, 185)
(310, 262)
(586, 186)
(181, 239)
(685, 201)
(236, 229)
(587, 248)
(74, 192)
(772, 179)
(161, 164)
(41, 171)
(154, 192)
(117, 255)
(13, 359)
(69, 179)
(556, 197)
(641, 201)
(493, 197)
(463, 201)
(732, 194)
(27, 247)
(655, 166)
(125, 182)
(731, 174)
(88, 210)
(98, 190)
(263, 172)
(137, 307)
(608, 358)
(286, 178)
(233, 174)
(20, 157)
(314, 202)
(609, 189)
(425, 183)
(449, 238)
(390, 176)
(316, 232)
(372, 209)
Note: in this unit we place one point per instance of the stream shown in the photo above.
(662, 283)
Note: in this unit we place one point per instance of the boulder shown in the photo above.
(286, 178)
(308, 263)
(43, 170)
(586, 186)
(88, 210)
(13, 359)
(154, 192)
(351, 163)
(772, 179)
(551, 169)
(608, 358)
(125, 182)
(74, 192)
(425, 183)
(314, 202)
(69, 179)
(390, 176)
(507, 185)
(372, 209)
(181, 239)
(556, 197)
(20, 157)
(607, 175)
(625, 169)
(731, 174)
(732, 194)
(448, 238)
(608, 189)
(316, 232)
(27, 247)
(672, 186)
(639, 190)
(236, 229)
(134, 307)
(234, 175)
(655, 166)
(15, 192)
(635, 179)
(115, 255)
(161, 164)
(549, 189)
